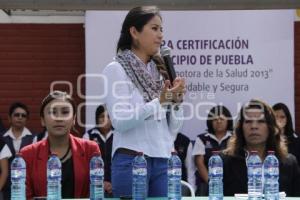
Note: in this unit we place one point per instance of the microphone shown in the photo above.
(165, 53)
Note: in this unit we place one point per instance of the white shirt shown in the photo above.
(5, 152)
(138, 125)
(199, 147)
(17, 141)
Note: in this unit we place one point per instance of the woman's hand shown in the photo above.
(107, 187)
(173, 94)
(178, 90)
(166, 95)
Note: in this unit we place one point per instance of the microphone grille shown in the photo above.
(165, 51)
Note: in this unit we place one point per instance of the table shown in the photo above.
(190, 198)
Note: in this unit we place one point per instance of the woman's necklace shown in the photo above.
(66, 154)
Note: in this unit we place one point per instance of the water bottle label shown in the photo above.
(175, 172)
(271, 171)
(97, 171)
(54, 172)
(140, 171)
(16, 173)
(216, 170)
(254, 170)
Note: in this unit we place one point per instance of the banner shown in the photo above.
(226, 57)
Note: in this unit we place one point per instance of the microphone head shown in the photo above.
(165, 51)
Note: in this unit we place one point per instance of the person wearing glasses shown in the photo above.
(17, 136)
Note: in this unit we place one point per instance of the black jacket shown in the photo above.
(235, 175)
(181, 145)
(2, 129)
(294, 146)
(105, 148)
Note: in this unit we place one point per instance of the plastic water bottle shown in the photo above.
(174, 177)
(271, 175)
(254, 176)
(139, 177)
(96, 177)
(53, 178)
(18, 176)
(215, 174)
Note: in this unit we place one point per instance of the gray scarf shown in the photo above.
(137, 71)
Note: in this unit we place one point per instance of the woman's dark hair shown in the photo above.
(57, 95)
(100, 109)
(16, 105)
(275, 140)
(288, 129)
(218, 111)
(136, 17)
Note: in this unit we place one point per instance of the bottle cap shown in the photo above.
(174, 153)
(216, 152)
(18, 154)
(271, 152)
(140, 153)
(96, 154)
(253, 152)
(53, 154)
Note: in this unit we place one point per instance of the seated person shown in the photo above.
(285, 123)
(219, 126)
(257, 130)
(183, 146)
(58, 113)
(17, 136)
(103, 135)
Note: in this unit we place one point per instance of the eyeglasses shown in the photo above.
(22, 115)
